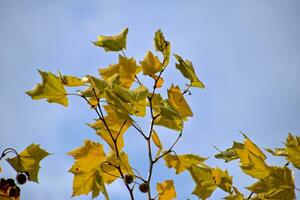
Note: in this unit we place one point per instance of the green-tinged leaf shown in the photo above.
(163, 46)
(187, 70)
(128, 102)
(51, 89)
(126, 69)
(86, 176)
(166, 190)
(71, 81)
(113, 43)
(182, 162)
(229, 154)
(222, 179)
(29, 160)
(151, 64)
(236, 196)
(178, 101)
(252, 159)
(205, 183)
(279, 185)
(168, 116)
(277, 151)
(292, 147)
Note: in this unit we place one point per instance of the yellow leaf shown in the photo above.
(182, 162)
(71, 81)
(168, 116)
(126, 69)
(163, 46)
(222, 179)
(51, 89)
(252, 159)
(205, 183)
(157, 142)
(151, 64)
(278, 185)
(292, 147)
(86, 176)
(113, 43)
(166, 190)
(29, 160)
(177, 100)
(159, 82)
(117, 128)
(230, 153)
(236, 196)
(1, 169)
(187, 70)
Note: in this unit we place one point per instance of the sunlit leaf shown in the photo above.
(178, 101)
(151, 64)
(182, 162)
(51, 89)
(71, 81)
(113, 43)
(252, 159)
(157, 142)
(116, 128)
(29, 160)
(222, 179)
(163, 46)
(159, 82)
(205, 183)
(166, 190)
(230, 153)
(87, 178)
(187, 70)
(168, 116)
(126, 69)
(277, 151)
(292, 147)
(236, 196)
(279, 185)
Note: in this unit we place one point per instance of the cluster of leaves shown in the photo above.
(119, 98)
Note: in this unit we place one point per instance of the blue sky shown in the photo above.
(246, 52)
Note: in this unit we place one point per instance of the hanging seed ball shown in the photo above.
(21, 178)
(11, 182)
(144, 187)
(128, 178)
(13, 192)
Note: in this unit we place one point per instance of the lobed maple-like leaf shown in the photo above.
(292, 147)
(235, 196)
(71, 81)
(29, 161)
(163, 46)
(279, 185)
(51, 89)
(87, 178)
(166, 190)
(113, 43)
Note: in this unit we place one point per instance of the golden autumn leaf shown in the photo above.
(205, 183)
(163, 46)
(126, 69)
(182, 162)
(222, 179)
(252, 159)
(187, 70)
(113, 43)
(292, 147)
(166, 190)
(71, 81)
(87, 177)
(235, 196)
(178, 101)
(157, 142)
(29, 161)
(51, 89)
(151, 64)
(279, 185)
(116, 128)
